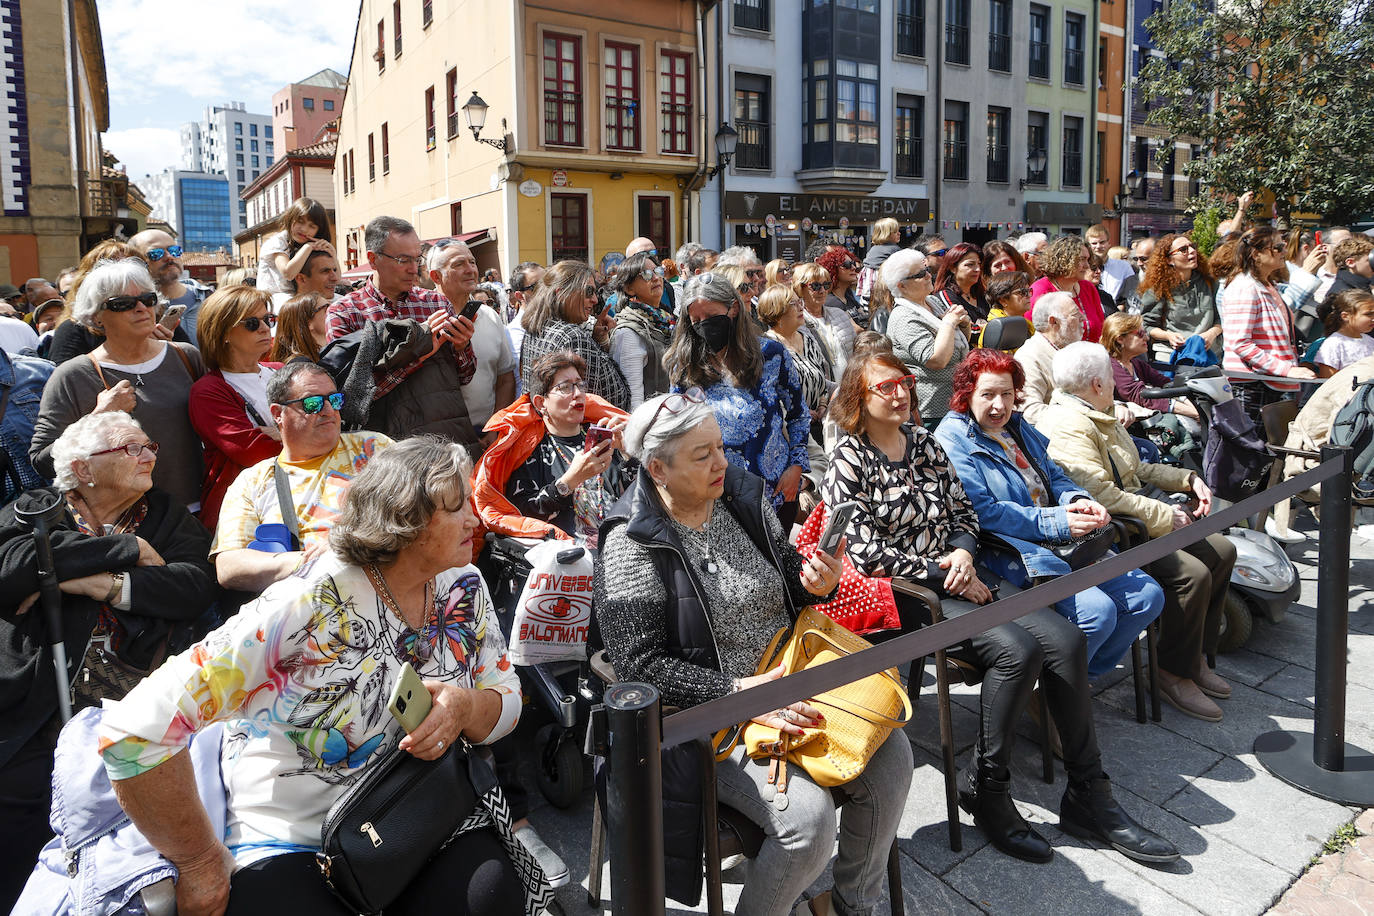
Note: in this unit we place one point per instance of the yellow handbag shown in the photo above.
(858, 716)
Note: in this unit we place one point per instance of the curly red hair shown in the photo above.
(1161, 276)
(998, 362)
(834, 256)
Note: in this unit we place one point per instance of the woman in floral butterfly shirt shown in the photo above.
(302, 677)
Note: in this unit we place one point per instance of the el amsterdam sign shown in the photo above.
(823, 208)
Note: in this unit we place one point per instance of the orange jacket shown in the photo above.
(520, 430)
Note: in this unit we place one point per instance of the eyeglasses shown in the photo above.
(818, 287)
(157, 254)
(1022, 291)
(888, 387)
(676, 403)
(568, 387)
(650, 273)
(404, 260)
(128, 303)
(745, 287)
(1188, 247)
(850, 265)
(316, 310)
(589, 292)
(919, 275)
(314, 403)
(133, 449)
(252, 323)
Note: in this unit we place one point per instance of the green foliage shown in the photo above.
(1279, 92)
(1204, 230)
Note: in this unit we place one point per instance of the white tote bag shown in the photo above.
(555, 608)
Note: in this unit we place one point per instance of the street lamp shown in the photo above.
(475, 110)
(1133, 179)
(1035, 164)
(726, 141)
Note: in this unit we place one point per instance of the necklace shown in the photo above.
(411, 643)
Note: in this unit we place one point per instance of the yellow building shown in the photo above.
(600, 105)
(58, 195)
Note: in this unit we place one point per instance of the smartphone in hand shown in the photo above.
(172, 317)
(595, 436)
(471, 309)
(836, 526)
(410, 700)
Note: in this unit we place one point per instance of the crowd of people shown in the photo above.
(274, 491)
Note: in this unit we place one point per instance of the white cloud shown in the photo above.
(145, 150)
(240, 51)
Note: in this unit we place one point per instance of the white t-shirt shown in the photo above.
(252, 386)
(492, 348)
(269, 278)
(16, 335)
(1339, 351)
(1114, 273)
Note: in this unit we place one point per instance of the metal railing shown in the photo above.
(999, 52)
(999, 164)
(911, 35)
(956, 43)
(1073, 66)
(622, 122)
(956, 160)
(910, 157)
(562, 126)
(751, 14)
(1040, 59)
(753, 151)
(676, 119)
(1073, 170)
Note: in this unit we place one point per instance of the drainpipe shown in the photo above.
(939, 111)
(694, 183)
(1127, 124)
(1091, 139)
(720, 107)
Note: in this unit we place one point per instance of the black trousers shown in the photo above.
(25, 796)
(1254, 396)
(1041, 644)
(471, 877)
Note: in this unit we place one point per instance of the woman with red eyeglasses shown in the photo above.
(229, 404)
(843, 268)
(135, 369)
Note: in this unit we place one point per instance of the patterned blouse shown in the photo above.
(765, 427)
(301, 677)
(910, 512)
(604, 378)
(810, 364)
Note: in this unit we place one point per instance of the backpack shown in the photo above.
(1353, 428)
(1236, 462)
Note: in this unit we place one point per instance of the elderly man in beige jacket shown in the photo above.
(1099, 455)
(1058, 323)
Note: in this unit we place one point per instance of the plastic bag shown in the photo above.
(555, 607)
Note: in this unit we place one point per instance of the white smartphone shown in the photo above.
(410, 700)
(836, 526)
(172, 317)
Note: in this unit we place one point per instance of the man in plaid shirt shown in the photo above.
(426, 390)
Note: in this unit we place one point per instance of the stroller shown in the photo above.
(1236, 463)
(559, 689)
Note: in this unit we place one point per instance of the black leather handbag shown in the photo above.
(1085, 549)
(379, 836)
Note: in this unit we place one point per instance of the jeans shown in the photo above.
(1112, 615)
(798, 840)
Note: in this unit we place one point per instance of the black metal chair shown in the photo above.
(734, 835)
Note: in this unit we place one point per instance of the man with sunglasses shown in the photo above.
(317, 459)
(416, 382)
(164, 263)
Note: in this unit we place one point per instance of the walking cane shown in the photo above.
(34, 515)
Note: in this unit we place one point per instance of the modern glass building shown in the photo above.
(206, 219)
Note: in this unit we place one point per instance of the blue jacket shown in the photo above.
(23, 377)
(1002, 500)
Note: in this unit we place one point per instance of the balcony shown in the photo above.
(910, 157)
(562, 121)
(752, 151)
(1073, 170)
(999, 165)
(452, 124)
(1040, 60)
(999, 52)
(1073, 66)
(622, 123)
(956, 160)
(751, 14)
(676, 119)
(956, 44)
(911, 35)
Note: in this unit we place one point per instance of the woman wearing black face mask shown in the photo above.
(751, 384)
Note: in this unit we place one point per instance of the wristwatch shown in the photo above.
(561, 488)
(116, 588)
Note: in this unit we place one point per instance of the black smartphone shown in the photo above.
(471, 309)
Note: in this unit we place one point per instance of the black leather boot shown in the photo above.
(1089, 811)
(988, 799)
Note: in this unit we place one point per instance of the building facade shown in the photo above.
(304, 172)
(234, 142)
(196, 205)
(599, 105)
(301, 112)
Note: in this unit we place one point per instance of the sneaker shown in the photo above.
(1283, 535)
(555, 869)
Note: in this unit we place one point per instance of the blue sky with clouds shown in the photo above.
(167, 60)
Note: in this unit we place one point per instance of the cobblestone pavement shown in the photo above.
(1340, 884)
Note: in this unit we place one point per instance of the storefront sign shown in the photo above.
(560, 178)
(820, 208)
(1043, 213)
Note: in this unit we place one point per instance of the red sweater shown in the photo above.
(232, 441)
(1089, 303)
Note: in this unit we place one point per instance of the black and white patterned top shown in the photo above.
(910, 511)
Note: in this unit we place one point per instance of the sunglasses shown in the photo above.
(919, 275)
(745, 287)
(128, 303)
(937, 254)
(157, 254)
(133, 449)
(677, 402)
(1189, 247)
(818, 287)
(314, 403)
(754, 272)
(650, 273)
(568, 387)
(253, 323)
(850, 265)
(888, 387)
(1139, 258)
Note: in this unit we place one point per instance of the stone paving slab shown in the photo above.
(1341, 883)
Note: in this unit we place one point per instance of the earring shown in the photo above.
(91, 484)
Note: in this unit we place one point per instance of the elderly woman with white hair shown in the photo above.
(750, 381)
(1098, 454)
(134, 370)
(931, 344)
(135, 580)
(696, 575)
(302, 676)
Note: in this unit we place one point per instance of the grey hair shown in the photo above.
(109, 278)
(652, 433)
(279, 386)
(899, 266)
(1051, 305)
(710, 286)
(81, 440)
(738, 255)
(437, 256)
(392, 500)
(381, 228)
(1079, 364)
(686, 250)
(1030, 241)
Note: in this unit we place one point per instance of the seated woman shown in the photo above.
(1125, 339)
(301, 679)
(537, 480)
(302, 329)
(228, 404)
(752, 384)
(1008, 296)
(1178, 297)
(915, 521)
(1099, 455)
(1063, 262)
(694, 582)
(136, 581)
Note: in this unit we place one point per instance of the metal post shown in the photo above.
(1322, 763)
(39, 518)
(634, 800)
